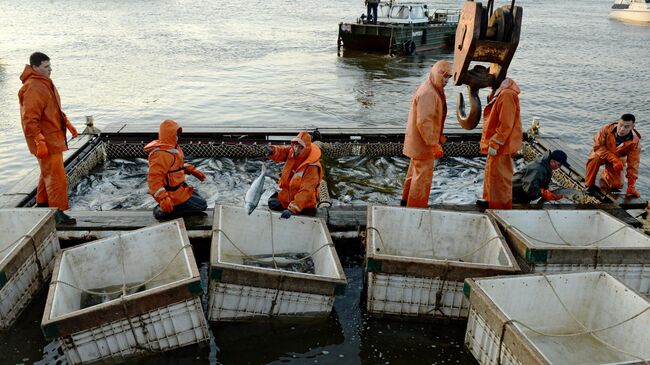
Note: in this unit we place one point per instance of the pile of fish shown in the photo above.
(122, 183)
(296, 262)
(362, 180)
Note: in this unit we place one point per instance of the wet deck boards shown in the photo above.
(99, 224)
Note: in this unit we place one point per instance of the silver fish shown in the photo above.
(254, 193)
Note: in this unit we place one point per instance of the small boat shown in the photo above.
(631, 10)
(402, 28)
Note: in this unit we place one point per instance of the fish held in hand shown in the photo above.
(254, 193)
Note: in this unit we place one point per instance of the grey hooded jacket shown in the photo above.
(527, 182)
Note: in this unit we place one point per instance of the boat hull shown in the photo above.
(396, 39)
(639, 16)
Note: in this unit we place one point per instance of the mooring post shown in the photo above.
(90, 126)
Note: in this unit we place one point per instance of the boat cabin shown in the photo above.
(412, 13)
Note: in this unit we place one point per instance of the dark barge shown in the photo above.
(402, 28)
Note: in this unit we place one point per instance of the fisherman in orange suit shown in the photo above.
(44, 125)
(501, 139)
(615, 146)
(301, 176)
(423, 138)
(166, 178)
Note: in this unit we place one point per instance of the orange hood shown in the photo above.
(29, 73)
(166, 136)
(438, 71)
(507, 83)
(304, 139)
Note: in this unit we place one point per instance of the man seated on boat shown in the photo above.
(166, 177)
(531, 182)
(423, 138)
(615, 146)
(301, 176)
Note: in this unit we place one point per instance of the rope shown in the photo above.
(381, 240)
(459, 258)
(39, 266)
(15, 242)
(565, 242)
(127, 288)
(585, 330)
(443, 279)
(245, 255)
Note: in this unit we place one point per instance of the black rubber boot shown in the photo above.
(63, 219)
(42, 205)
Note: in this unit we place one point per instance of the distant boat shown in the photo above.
(402, 28)
(631, 10)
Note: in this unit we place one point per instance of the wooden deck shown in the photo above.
(97, 224)
(100, 224)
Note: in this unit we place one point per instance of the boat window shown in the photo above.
(384, 9)
(417, 12)
(400, 12)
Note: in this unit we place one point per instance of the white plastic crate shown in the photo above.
(417, 259)
(27, 249)
(573, 318)
(555, 241)
(160, 311)
(239, 291)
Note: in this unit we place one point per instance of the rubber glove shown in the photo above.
(617, 164)
(548, 195)
(166, 204)
(71, 128)
(438, 152)
(192, 170)
(268, 150)
(41, 147)
(631, 191)
(286, 214)
(492, 151)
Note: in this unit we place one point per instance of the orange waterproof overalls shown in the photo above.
(42, 118)
(166, 175)
(423, 140)
(605, 150)
(301, 175)
(502, 131)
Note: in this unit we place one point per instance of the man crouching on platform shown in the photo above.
(166, 176)
(532, 181)
(615, 146)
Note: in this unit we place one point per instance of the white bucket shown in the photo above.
(573, 318)
(160, 311)
(240, 291)
(553, 241)
(27, 249)
(417, 259)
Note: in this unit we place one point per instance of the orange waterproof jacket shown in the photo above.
(502, 121)
(605, 147)
(301, 175)
(40, 112)
(426, 120)
(167, 165)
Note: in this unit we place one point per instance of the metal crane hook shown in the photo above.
(469, 121)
